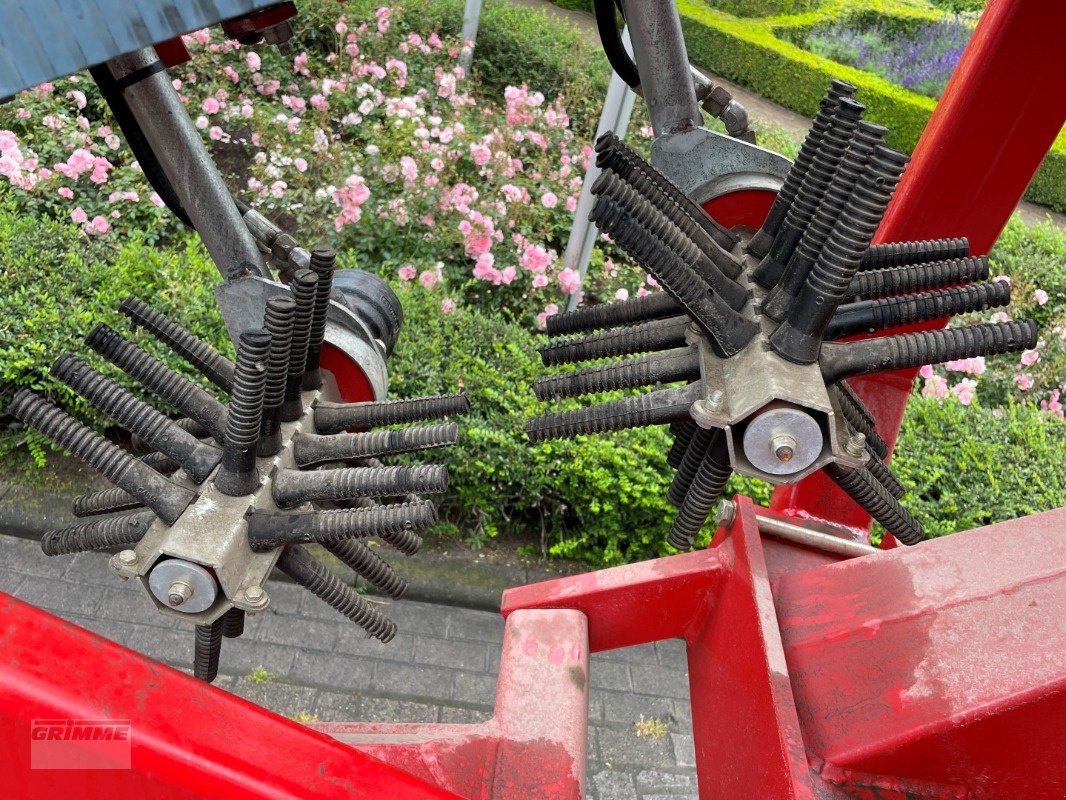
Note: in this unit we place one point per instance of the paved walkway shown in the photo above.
(441, 667)
(759, 108)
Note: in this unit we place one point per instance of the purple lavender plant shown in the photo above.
(921, 60)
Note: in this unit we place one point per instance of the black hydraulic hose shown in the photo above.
(611, 40)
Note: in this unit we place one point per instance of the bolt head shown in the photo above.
(856, 445)
(179, 592)
(254, 594)
(127, 558)
(727, 512)
(783, 446)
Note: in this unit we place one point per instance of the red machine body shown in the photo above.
(937, 671)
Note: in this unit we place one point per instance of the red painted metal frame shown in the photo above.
(999, 115)
(930, 672)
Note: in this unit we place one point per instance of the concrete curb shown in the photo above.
(432, 575)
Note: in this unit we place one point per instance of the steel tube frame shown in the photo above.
(191, 171)
(662, 62)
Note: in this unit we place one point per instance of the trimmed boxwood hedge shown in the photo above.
(755, 53)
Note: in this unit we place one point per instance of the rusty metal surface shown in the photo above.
(45, 39)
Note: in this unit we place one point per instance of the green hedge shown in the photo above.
(752, 54)
(968, 467)
(756, 53)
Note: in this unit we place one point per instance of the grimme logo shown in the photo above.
(80, 744)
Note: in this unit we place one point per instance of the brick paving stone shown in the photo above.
(623, 747)
(657, 781)
(684, 749)
(353, 641)
(471, 656)
(309, 634)
(478, 625)
(60, 596)
(609, 785)
(242, 655)
(667, 681)
(282, 698)
(328, 670)
(10, 581)
(606, 674)
(129, 603)
(413, 680)
(628, 707)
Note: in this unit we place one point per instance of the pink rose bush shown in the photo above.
(370, 136)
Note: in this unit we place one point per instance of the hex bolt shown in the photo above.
(858, 418)
(856, 445)
(254, 594)
(100, 534)
(715, 401)
(304, 288)
(337, 417)
(608, 315)
(127, 558)
(303, 569)
(197, 458)
(207, 650)
(278, 322)
(238, 474)
(783, 446)
(178, 593)
(209, 362)
(323, 262)
(760, 243)
(727, 513)
(166, 499)
(156, 377)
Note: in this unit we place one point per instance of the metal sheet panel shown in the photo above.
(45, 39)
